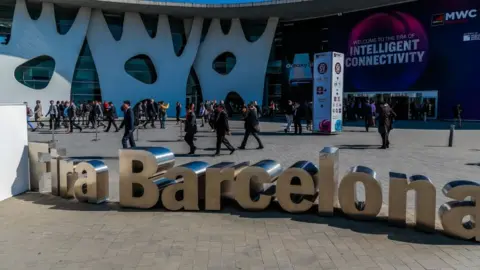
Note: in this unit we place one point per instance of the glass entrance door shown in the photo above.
(407, 105)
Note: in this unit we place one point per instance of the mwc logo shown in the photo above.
(453, 17)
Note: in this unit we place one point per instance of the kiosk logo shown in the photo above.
(462, 16)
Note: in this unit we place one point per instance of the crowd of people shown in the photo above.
(94, 114)
(145, 113)
(216, 116)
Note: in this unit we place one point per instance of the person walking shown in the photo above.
(457, 115)
(111, 115)
(150, 114)
(38, 114)
(385, 119)
(163, 113)
(190, 128)
(289, 116)
(271, 109)
(71, 114)
(309, 115)
(29, 113)
(202, 113)
(129, 124)
(297, 118)
(53, 113)
(252, 127)
(222, 129)
(367, 114)
(178, 110)
(99, 114)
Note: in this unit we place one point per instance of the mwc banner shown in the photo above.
(328, 92)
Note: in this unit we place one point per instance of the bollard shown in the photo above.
(137, 134)
(450, 137)
(53, 135)
(180, 138)
(96, 132)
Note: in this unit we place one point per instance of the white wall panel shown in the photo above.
(248, 75)
(13, 151)
(30, 39)
(110, 57)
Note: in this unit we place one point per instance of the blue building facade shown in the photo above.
(422, 52)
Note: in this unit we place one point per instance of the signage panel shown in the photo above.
(328, 92)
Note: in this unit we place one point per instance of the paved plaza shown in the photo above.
(40, 231)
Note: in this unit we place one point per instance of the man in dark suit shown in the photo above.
(252, 127)
(53, 113)
(99, 114)
(72, 114)
(222, 128)
(298, 114)
(129, 123)
(111, 114)
(385, 120)
(150, 114)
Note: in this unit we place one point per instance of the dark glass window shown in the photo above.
(141, 68)
(178, 34)
(224, 63)
(253, 29)
(64, 18)
(151, 22)
(6, 19)
(36, 73)
(34, 9)
(115, 24)
(205, 28)
(225, 25)
(85, 84)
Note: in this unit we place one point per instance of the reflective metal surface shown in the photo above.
(452, 216)
(363, 169)
(56, 154)
(347, 193)
(458, 183)
(189, 188)
(164, 157)
(328, 163)
(67, 176)
(220, 183)
(273, 168)
(311, 169)
(257, 188)
(425, 200)
(198, 167)
(39, 156)
(92, 184)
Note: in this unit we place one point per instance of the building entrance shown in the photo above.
(410, 105)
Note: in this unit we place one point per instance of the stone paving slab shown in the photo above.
(45, 232)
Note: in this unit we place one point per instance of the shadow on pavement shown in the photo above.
(165, 141)
(94, 157)
(357, 146)
(473, 164)
(339, 220)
